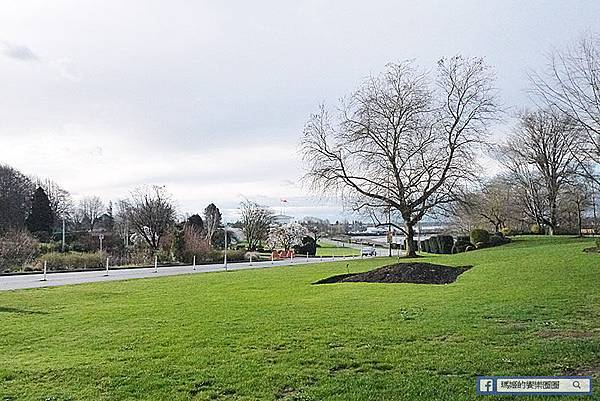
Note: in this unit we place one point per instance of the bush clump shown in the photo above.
(18, 248)
(238, 255)
(446, 242)
(308, 246)
(461, 245)
(479, 235)
(496, 240)
(440, 244)
(434, 245)
(535, 229)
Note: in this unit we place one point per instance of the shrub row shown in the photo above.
(97, 260)
(72, 260)
(441, 244)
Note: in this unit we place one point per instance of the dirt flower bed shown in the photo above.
(416, 273)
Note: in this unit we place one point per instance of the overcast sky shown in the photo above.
(209, 98)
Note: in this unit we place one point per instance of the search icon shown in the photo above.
(576, 384)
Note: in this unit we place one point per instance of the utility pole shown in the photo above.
(594, 187)
(62, 247)
(126, 234)
(390, 236)
(225, 251)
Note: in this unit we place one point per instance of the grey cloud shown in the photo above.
(22, 53)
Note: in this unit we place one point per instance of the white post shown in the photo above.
(194, 263)
(272, 258)
(307, 256)
(45, 270)
(250, 259)
(106, 267)
(155, 263)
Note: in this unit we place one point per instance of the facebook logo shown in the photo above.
(485, 385)
(542, 385)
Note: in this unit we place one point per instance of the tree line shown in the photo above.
(38, 217)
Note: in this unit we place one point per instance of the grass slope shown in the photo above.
(329, 249)
(528, 308)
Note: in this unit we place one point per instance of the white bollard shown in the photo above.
(106, 274)
(155, 264)
(307, 256)
(194, 263)
(250, 259)
(45, 270)
(272, 258)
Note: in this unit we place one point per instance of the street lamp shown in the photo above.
(225, 251)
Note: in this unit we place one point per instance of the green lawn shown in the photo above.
(528, 308)
(329, 249)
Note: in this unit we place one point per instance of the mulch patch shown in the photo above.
(592, 250)
(416, 273)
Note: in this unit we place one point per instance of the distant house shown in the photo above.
(104, 223)
(282, 219)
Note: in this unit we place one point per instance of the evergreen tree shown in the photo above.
(41, 217)
(212, 221)
(195, 222)
(178, 245)
(110, 219)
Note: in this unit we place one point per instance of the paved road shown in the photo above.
(379, 251)
(55, 279)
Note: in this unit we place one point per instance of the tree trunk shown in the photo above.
(579, 220)
(552, 222)
(411, 248)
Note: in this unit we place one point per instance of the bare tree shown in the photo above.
(90, 209)
(316, 226)
(577, 198)
(256, 221)
(60, 199)
(571, 84)
(212, 221)
(539, 155)
(491, 204)
(150, 213)
(401, 142)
